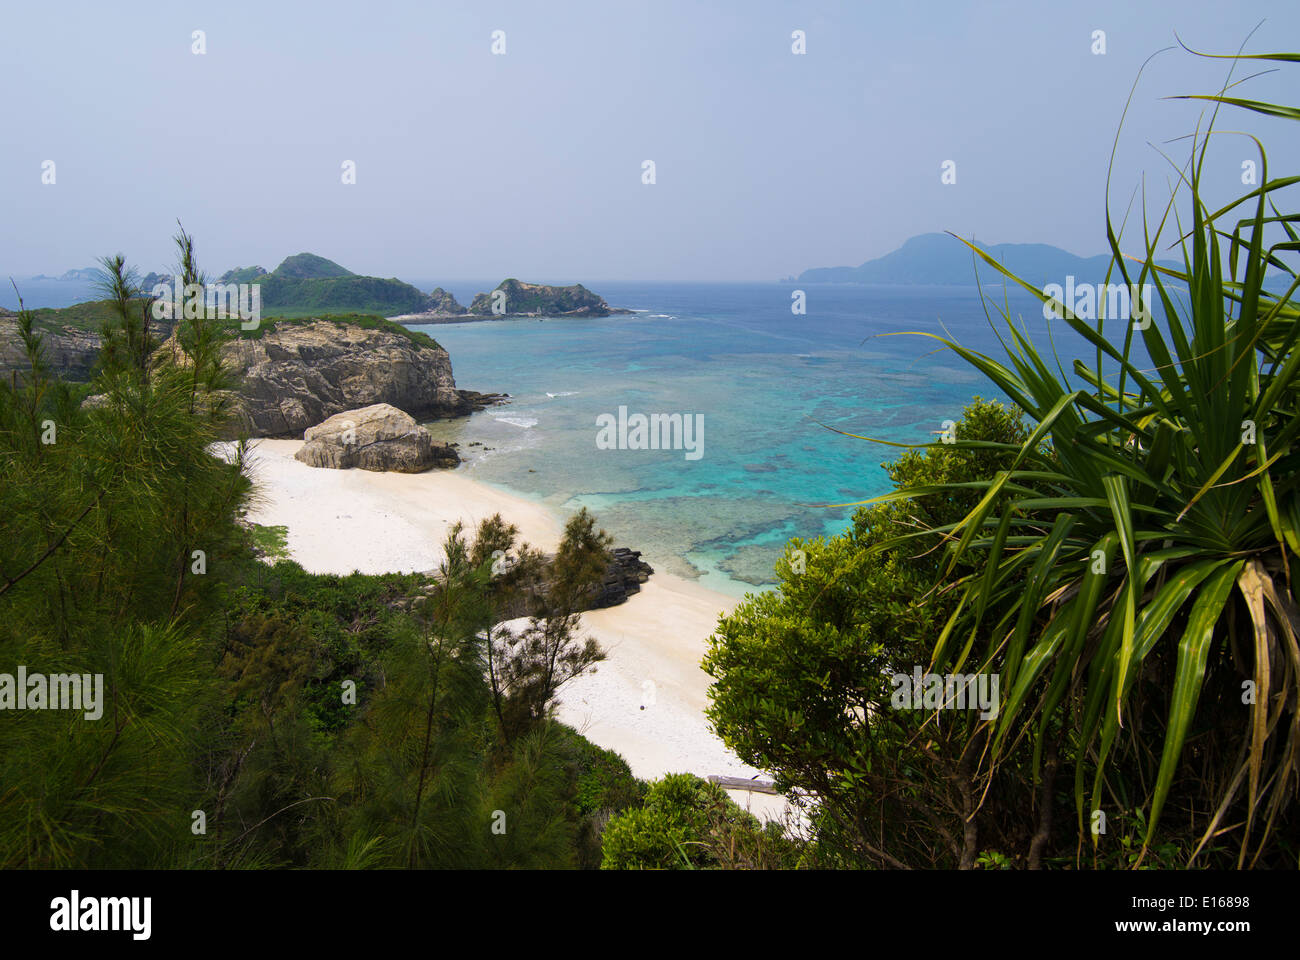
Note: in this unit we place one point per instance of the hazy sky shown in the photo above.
(529, 164)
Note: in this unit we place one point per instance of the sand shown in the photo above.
(344, 520)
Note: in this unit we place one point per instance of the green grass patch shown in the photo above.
(271, 541)
(90, 315)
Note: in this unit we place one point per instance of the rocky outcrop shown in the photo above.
(442, 302)
(623, 577)
(377, 437)
(70, 351)
(296, 375)
(242, 275)
(519, 299)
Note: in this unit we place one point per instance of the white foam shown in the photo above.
(524, 422)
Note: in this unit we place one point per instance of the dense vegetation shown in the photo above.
(340, 294)
(685, 823)
(257, 715)
(305, 283)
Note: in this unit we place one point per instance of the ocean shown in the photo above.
(764, 383)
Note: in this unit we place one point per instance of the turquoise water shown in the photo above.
(765, 382)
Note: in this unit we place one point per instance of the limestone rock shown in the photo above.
(623, 577)
(299, 374)
(444, 303)
(70, 351)
(376, 437)
(295, 374)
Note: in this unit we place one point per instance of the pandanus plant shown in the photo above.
(1145, 538)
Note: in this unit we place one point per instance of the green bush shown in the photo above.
(687, 823)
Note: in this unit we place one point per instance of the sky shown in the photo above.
(529, 163)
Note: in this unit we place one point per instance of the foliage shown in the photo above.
(688, 823)
(230, 736)
(527, 666)
(1136, 594)
(337, 294)
(309, 266)
(271, 542)
(90, 315)
(100, 577)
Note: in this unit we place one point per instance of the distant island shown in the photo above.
(82, 275)
(515, 299)
(306, 284)
(941, 260)
(309, 285)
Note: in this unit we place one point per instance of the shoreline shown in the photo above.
(646, 701)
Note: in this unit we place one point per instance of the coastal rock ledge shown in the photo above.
(298, 373)
(623, 577)
(378, 437)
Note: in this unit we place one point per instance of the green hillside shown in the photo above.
(351, 293)
(308, 266)
(90, 315)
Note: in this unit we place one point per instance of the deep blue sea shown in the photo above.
(766, 382)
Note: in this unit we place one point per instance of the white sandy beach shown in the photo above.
(344, 520)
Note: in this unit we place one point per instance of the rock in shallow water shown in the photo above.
(378, 437)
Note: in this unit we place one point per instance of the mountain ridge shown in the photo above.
(941, 259)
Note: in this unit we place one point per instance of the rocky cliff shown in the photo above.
(70, 351)
(292, 374)
(443, 302)
(623, 577)
(296, 375)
